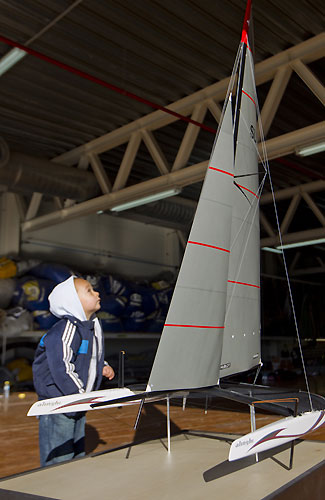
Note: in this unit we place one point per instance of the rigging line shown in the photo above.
(260, 188)
(267, 169)
(285, 265)
(243, 253)
(290, 290)
(103, 83)
(259, 191)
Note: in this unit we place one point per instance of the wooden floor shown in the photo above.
(110, 428)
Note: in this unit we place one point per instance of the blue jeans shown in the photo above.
(61, 438)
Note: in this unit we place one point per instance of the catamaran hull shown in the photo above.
(97, 400)
(276, 434)
(79, 402)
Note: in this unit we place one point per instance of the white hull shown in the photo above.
(276, 434)
(81, 402)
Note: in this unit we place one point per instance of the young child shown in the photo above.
(69, 359)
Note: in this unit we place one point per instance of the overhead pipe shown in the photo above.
(180, 178)
(25, 174)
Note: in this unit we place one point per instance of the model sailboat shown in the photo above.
(212, 329)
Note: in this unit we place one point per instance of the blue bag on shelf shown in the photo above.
(135, 322)
(150, 301)
(109, 322)
(111, 285)
(32, 294)
(134, 303)
(155, 322)
(165, 296)
(44, 319)
(51, 271)
(112, 304)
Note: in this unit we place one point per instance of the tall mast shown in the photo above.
(244, 35)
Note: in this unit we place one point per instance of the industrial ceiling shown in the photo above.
(89, 94)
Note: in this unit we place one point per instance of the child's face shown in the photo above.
(89, 299)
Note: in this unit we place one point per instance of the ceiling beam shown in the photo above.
(100, 173)
(277, 67)
(314, 208)
(286, 193)
(127, 162)
(306, 52)
(308, 235)
(274, 97)
(180, 178)
(309, 79)
(155, 151)
(190, 137)
(290, 213)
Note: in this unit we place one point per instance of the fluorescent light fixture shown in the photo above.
(10, 59)
(301, 244)
(311, 150)
(272, 250)
(146, 199)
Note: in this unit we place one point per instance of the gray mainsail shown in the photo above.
(189, 352)
(213, 325)
(241, 343)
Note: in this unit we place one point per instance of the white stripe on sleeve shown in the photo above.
(67, 337)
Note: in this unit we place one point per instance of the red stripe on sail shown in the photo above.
(241, 283)
(192, 326)
(246, 189)
(243, 91)
(210, 246)
(222, 171)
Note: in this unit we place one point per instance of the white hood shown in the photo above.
(64, 300)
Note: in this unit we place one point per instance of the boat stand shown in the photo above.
(168, 425)
(168, 420)
(253, 420)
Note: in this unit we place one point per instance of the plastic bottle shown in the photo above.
(6, 389)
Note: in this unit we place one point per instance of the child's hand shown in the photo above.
(108, 372)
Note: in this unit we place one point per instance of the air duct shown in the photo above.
(25, 174)
(173, 213)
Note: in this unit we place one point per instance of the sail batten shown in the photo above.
(209, 246)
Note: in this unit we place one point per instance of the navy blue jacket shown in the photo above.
(62, 359)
